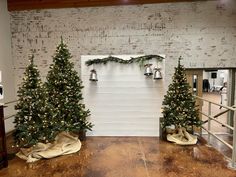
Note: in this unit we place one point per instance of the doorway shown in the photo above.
(195, 78)
(213, 85)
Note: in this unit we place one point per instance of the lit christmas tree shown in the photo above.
(179, 103)
(33, 118)
(64, 88)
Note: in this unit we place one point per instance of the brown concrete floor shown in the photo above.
(127, 157)
(223, 149)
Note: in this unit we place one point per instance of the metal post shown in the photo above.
(234, 141)
(231, 97)
(209, 122)
(201, 118)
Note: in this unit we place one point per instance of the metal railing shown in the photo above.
(215, 118)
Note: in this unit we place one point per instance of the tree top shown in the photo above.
(180, 58)
(31, 59)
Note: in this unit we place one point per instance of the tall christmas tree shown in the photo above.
(33, 118)
(179, 107)
(64, 88)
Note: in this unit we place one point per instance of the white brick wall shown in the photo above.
(204, 33)
(6, 65)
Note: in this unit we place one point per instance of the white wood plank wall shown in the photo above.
(123, 102)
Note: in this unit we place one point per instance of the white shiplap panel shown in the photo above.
(111, 96)
(148, 108)
(123, 102)
(125, 84)
(118, 90)
(125, 117)
(122, 78)
(114, 113)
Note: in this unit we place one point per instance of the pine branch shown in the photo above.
(140, 59)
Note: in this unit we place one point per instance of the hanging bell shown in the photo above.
(93, 75)
(157, 74)
(148, 70)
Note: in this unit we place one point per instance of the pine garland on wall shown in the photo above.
(139, 60)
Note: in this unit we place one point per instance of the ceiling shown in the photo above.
(17, 5)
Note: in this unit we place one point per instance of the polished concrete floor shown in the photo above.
(127, 157)
(134, 157)
(223, 149)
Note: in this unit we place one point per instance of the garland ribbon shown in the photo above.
(140, 60)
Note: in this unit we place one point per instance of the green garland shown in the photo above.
(139, 60)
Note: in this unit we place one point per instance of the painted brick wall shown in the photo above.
(204, 33)
(6, 63)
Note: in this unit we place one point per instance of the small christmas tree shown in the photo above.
(64, 89)
(33, 119)
(179, 104)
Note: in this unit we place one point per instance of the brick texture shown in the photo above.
(204, 33)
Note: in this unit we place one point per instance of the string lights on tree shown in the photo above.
(33, 121)
(64, 88)
(179, 109)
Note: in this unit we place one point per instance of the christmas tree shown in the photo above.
(179, 107)
(33, 119)
(64, 88)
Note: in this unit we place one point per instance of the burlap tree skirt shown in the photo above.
(64, 144)
(182, 137)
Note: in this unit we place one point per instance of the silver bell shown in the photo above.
(157, 74)
(148, 70)
(93, 75)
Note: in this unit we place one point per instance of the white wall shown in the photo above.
(203, 33)
(6, 62)
(222, 76)
(124, 102)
